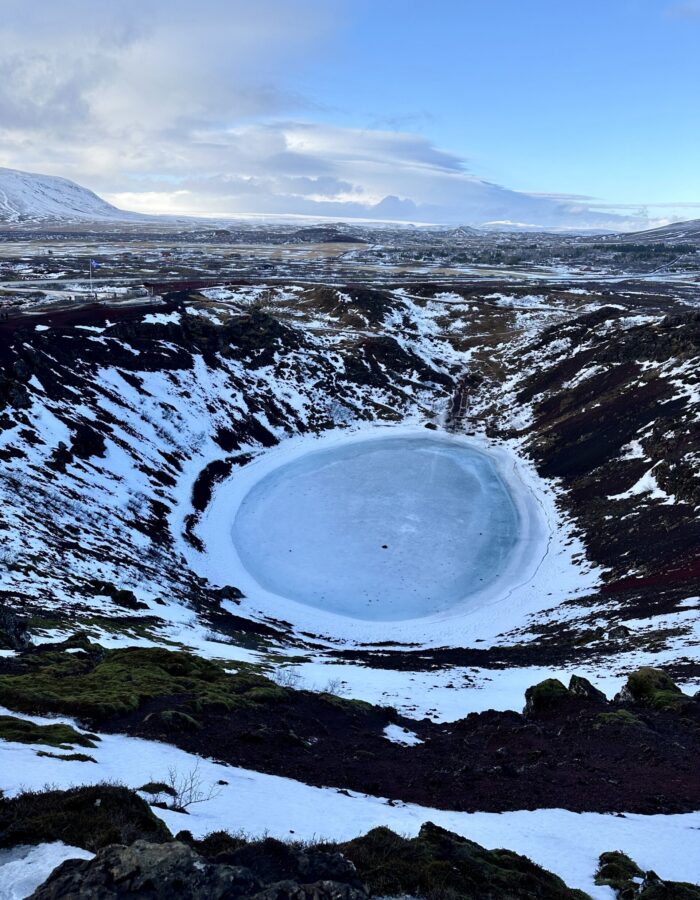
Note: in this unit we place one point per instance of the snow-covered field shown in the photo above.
(258, 804)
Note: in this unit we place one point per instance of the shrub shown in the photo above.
(87, 817)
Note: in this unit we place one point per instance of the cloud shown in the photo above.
(331, 171)
(176, 107)
(151, 66)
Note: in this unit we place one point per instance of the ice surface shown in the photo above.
(545, 551)
(383, 530)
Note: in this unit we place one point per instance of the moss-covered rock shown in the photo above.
(68, 757)
(58, 735)
(87, 817)
(438, 863)
(623, 875)
(653, 688)
(617, 870)
(545, 696)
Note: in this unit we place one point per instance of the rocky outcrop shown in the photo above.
(551, 696)
(653, 687)
(164, 871)
(436, 863)
(14, 634)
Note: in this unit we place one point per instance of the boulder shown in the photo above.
(14, 632)
(654, 688)
(582, 687)
(146, 870)
(545, 696)
(164, 871)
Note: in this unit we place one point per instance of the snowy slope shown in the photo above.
(26, 197)
(681, 232)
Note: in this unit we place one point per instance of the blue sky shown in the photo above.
(454, 110)
(599, 98)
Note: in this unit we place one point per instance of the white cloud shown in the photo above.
(175, 107)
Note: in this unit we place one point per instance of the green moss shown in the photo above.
(440, 864)
(655, 688)
(158, 787)
(179, 720)
(616, 870)
(545, 696)
(59, 735)
(623, 875)
(346, 703)
(620, 718)
(98, 684)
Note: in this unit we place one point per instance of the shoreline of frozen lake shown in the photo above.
(273, 508)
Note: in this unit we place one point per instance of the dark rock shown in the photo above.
(320, 890)
(14, 633)
(582, 687)
(164, 871)
(88, 442)
(619, 631)
(544, 697)
(148, 871)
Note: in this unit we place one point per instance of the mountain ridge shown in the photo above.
(27, 197)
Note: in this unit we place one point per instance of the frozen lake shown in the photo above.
(385, 529)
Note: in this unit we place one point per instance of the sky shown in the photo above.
(555, 113)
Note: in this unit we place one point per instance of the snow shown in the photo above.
(564, 842)
(162, 318)
(633, 450)
(447, 694)
(398, 735)
(647, 484)
(24, 868)
(542, 555)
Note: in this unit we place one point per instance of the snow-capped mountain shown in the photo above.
(26, 197)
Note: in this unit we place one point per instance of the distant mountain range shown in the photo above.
(28, 198)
